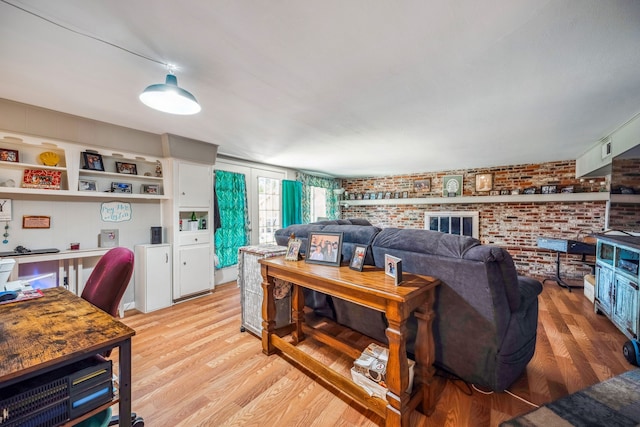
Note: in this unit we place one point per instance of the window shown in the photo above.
(461, 223)
(318, 203)
(268, 209)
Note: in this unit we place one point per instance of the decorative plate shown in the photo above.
(49, 158)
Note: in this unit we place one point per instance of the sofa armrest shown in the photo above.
(529, 289)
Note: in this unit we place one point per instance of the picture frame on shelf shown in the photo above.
(405, 194)
(150, 189)
(422, 185)
(568, 189)
(494, 193)
(505, 192)
(373, 196)
(121, 187)
(357, 259)
(380, 195)
(484, 182)
(127, 168)
(8, 155)
(293, 250)
(452, 185)
(529, 190)
(87, 185)
(549, 189)
(42, 179)
(393, 268)
(324, 247)
(92, 161)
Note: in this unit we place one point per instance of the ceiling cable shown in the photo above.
(85, 34)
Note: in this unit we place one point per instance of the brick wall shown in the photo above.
(624, 216)
(514, 226)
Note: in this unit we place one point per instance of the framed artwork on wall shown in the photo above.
(452, 185)
(484, 182)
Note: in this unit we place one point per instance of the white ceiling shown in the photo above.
(345, 87)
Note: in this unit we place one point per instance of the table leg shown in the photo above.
(268, 312)
(424, 375)
(297, 313)
(397, 372)
(124, 406)
(559, 280)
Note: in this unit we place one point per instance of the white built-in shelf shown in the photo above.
(512, 198)
(25, 193)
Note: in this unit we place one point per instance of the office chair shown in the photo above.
(104, 289)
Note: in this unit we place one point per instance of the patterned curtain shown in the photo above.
(291, 203)
(231, 194)
(329, 184)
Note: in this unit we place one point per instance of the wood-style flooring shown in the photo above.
(193, 367)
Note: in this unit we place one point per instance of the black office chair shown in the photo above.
(104, 289)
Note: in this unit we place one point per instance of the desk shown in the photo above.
(573, 247)
(69, 264)
(58, 329)
(374, 289)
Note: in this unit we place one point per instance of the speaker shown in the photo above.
(156, 235)
(631, 351)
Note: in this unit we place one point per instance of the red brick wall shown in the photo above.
(623, 216)
(514, 226)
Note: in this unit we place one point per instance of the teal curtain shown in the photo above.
(330, 184)
(231, 194)
(291, 203)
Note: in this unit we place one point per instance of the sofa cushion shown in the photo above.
(425, 241)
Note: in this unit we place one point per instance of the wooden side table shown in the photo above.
(370, 288)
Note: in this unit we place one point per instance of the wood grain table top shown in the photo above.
(58, 327)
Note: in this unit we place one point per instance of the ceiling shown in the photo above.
(348, 88)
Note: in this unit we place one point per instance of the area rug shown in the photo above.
(614, 402)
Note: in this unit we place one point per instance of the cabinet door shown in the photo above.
(625, 310)
(604, 288)
(195, 270)
(195, 185)
(158, 277)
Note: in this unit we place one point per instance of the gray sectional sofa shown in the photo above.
(486, 315)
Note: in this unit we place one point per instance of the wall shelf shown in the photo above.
(515, 198)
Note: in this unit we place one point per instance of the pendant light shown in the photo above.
(169, 98)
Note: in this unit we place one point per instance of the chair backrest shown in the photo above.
(109, 279)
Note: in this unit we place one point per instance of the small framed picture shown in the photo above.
(494, 193)
(396, 195)
(7, 155)
(505, 192)
(405, 194)
(452, 185)
(393, 268)
(422, 185)
(127, 168)
(324, 248)
(150, 189)
(41, 178)
(548, 189)
(484, 182)
(293, 250)
(380, 195)
(529, 190)
(357, 260)
(36, 221)
(120, 187)
(87, 185)
(367, 196)
(568, 189)
(387, 195)
(373, 196)
(92, 161)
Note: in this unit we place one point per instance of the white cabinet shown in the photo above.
(192, 240)
(153, 269)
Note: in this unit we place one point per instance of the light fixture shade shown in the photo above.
(169, 98)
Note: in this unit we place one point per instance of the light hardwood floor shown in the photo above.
(193, 367)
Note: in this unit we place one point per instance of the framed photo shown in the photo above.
(393, 268)
(373, 196)
(387, 195)
(405, 194)
(494, 193)
(41, 178)
(7, 155)
(422, 185)
(568, 189)
(380, 195)
(484, 182)
(127, 168)
(452, 185)
(5, 210)
(367, 196)
(92, 161)
(324, 248)
(36, 221)
(548, 189)
(120, 187)
(87, 185)
(293, 250)
(150, 189)
(359, 254)
(505, 192)
(529, 190)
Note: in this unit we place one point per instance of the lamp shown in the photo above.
(169, 98)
